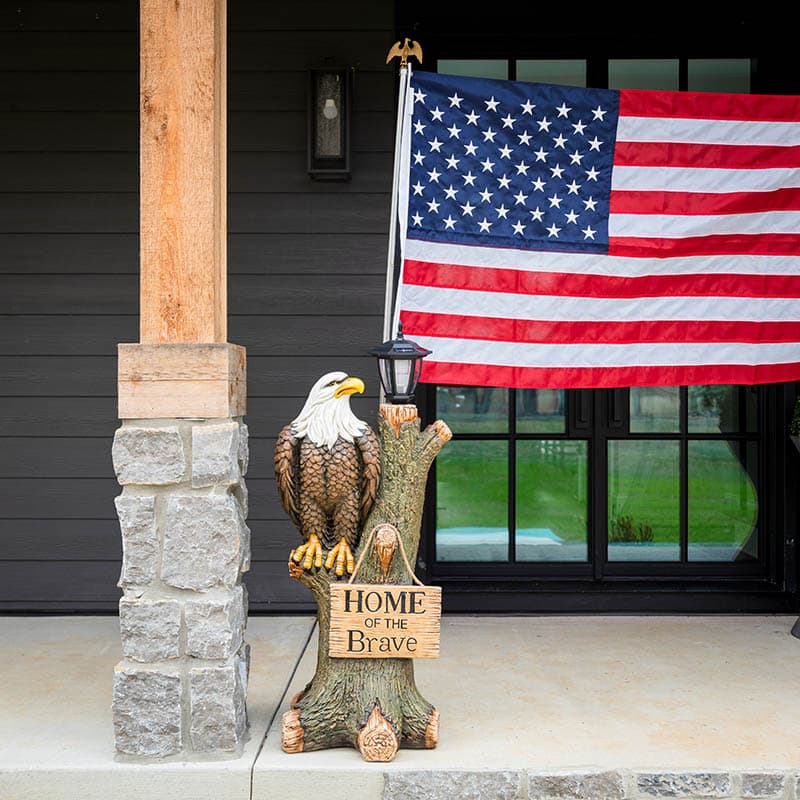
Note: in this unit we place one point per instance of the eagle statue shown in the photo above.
(327, 469)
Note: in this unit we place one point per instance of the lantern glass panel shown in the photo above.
(386, 375)
(403, 373)
(329, 116)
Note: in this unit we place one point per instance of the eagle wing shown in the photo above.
(286, 467)
(370, 449)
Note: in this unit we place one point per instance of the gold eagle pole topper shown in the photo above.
(408, 48)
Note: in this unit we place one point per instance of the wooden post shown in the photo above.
(183, 365)
(183, 171)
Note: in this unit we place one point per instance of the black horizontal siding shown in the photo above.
(306, 262)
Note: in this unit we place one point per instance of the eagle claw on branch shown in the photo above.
(342, 556)
(309, 553)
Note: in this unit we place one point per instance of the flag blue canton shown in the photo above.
(507, 163)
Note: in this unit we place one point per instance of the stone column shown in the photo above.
(181, 685)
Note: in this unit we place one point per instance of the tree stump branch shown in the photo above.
(373, 704)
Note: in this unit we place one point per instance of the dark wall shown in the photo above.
(306, 263)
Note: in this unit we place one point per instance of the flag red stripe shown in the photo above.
(765, 244)
(602, 377)
(612, 332)
(708, 105)
(637, 202)
(456, 276)
(674, 154)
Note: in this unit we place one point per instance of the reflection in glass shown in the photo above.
(551, 504)
(723, 408)
(719, 75)
(472, 502)
(565, 72)
(541, 411)
(643, 500)
(473, 409)
(655, 409)
(643, 73)
(723, 501)
(474, 67)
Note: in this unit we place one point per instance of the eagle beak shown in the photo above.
(349, 386)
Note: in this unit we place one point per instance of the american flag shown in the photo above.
(565, 237)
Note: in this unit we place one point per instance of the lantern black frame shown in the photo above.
(388, 354)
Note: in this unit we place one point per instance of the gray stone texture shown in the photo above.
(149, 456)
(244, 448)
(147, 712)
(454, 785)
(763, 784)
(684, 784)
(241, 493)
(150, 629)
(580, 785)
(137, 520)
(204, 542)
(215, 626)
(215, 454)
(218, 719)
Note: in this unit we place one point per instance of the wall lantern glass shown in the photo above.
(329, 93)
(399, 367)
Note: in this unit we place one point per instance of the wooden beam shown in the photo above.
(183, 217)
(181, 380)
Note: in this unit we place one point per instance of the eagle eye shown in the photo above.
(333, 383)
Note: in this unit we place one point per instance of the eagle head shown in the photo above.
(326, 414)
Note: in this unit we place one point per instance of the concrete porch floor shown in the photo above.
(564, 707)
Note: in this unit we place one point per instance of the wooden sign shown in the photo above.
(378, 620)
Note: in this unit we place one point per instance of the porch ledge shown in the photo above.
(568, 708)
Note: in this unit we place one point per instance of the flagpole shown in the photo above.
(403, 51)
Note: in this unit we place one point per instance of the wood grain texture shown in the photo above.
(181, 380)
(183, 217)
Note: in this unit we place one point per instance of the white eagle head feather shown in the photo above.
(326, 414)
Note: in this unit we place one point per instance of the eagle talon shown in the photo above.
(342, 557)
(310, 553)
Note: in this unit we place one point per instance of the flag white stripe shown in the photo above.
(513, 354)
(508, 305)
(597, 263)
(702, 179)
(707, 131)
(675, 226)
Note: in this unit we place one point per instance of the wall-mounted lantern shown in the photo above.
(329, 93)
(399, 366)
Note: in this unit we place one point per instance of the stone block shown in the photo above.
(446, 785)
(215, 626)
(217, 713)
(684, 784)
(242, 495)
(215, 454)
(763, 784)
(244, 448)
(246, 549)
(150, 456)
(147, 712)
(150, 629)
(578, 785)
(137, 521)
(204, 540)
